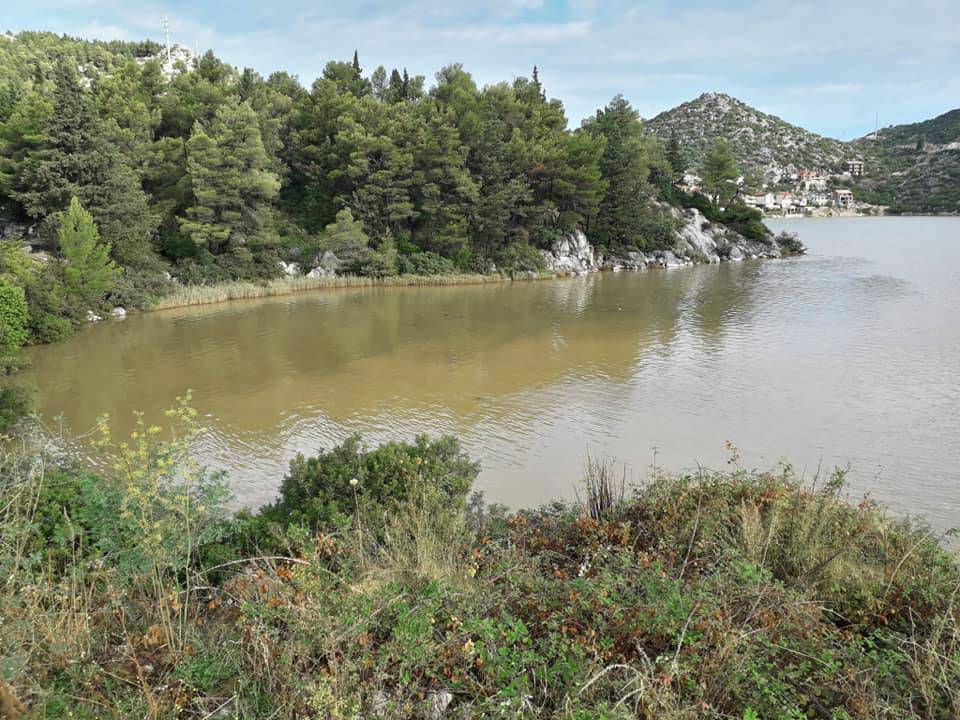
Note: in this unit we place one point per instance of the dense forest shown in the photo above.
(200, 173)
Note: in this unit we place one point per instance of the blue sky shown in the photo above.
(827, 66)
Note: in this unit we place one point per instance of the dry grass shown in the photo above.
(189, 295)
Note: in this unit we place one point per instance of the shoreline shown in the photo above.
(197, 295)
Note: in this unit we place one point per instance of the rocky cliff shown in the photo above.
(698, 241)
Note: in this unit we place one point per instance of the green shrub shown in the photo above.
(49, 328)
(520, 257)
(14, 330)
(14, 404)
(425, 263)
(317, 490)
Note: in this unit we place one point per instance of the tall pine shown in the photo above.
(232, 188)
(77, 160)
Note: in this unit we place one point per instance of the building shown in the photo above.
(854, 167)
(843, 198)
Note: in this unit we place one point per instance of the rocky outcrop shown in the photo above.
(325, 265)
(698, 241)
(703, 241)
(571, 254)
(290, 269)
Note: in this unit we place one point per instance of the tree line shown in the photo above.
(209, 173)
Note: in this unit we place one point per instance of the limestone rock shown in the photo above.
(291, 269)
(572, 253)
(439, 702)
(118, 312)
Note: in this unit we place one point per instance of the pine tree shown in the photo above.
(675, 156)
(88, 272)
(720, 172)
(625, 166)
(346, 239)
(231, 185)
(77, 160)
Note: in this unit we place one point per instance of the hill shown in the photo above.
(760, 141)
(913, 168)
(919, 165)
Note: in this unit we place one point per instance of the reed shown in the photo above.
(188, 295)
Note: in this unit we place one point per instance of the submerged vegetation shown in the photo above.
(377, 586)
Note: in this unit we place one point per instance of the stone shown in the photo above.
(439, 702)
(328, 261)
(118, 312)
(291, 269)
(92, 317)
(380, 704)
(571, 253)
(667, 259)
(735, 254)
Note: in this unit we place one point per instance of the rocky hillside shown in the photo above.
(760, 141)
(919, 165)
(910, 168)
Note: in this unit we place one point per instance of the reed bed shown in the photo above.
(188, 295)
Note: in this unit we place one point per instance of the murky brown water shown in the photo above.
(848, 355)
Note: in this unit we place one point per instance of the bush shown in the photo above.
(425, 263)
(520, 257)
(14, 330)
(137, 289)
(14, 404)
(657, 232)
(318, 490)
(48, 328)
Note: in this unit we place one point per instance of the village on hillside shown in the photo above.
(791, 190)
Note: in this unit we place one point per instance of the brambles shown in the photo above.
(373, 588)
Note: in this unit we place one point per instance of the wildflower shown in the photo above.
(354, 482)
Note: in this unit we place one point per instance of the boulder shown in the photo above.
(667, 259)
(330, 263)
(92, 317)
(734, 254)
(439, 702)
(571, 253)
(290, 269)
(319, 272)
(118, 312)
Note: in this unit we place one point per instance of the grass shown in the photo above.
(717, 595)
(188, 295)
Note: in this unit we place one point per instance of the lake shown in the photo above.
(847, 356)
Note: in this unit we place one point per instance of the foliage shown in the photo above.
(720, 173)
(321, 488)
(210, 174)
(425, 263)
(710, 596)
(14, 404)
(230, 180)
(88, 272)
(13, 320)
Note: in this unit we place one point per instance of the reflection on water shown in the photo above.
(851, 354)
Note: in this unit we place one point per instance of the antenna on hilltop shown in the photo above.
(876, 127)
(166, 33)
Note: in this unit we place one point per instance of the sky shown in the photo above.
(831, 67)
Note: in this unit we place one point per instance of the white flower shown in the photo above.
(354, 482)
